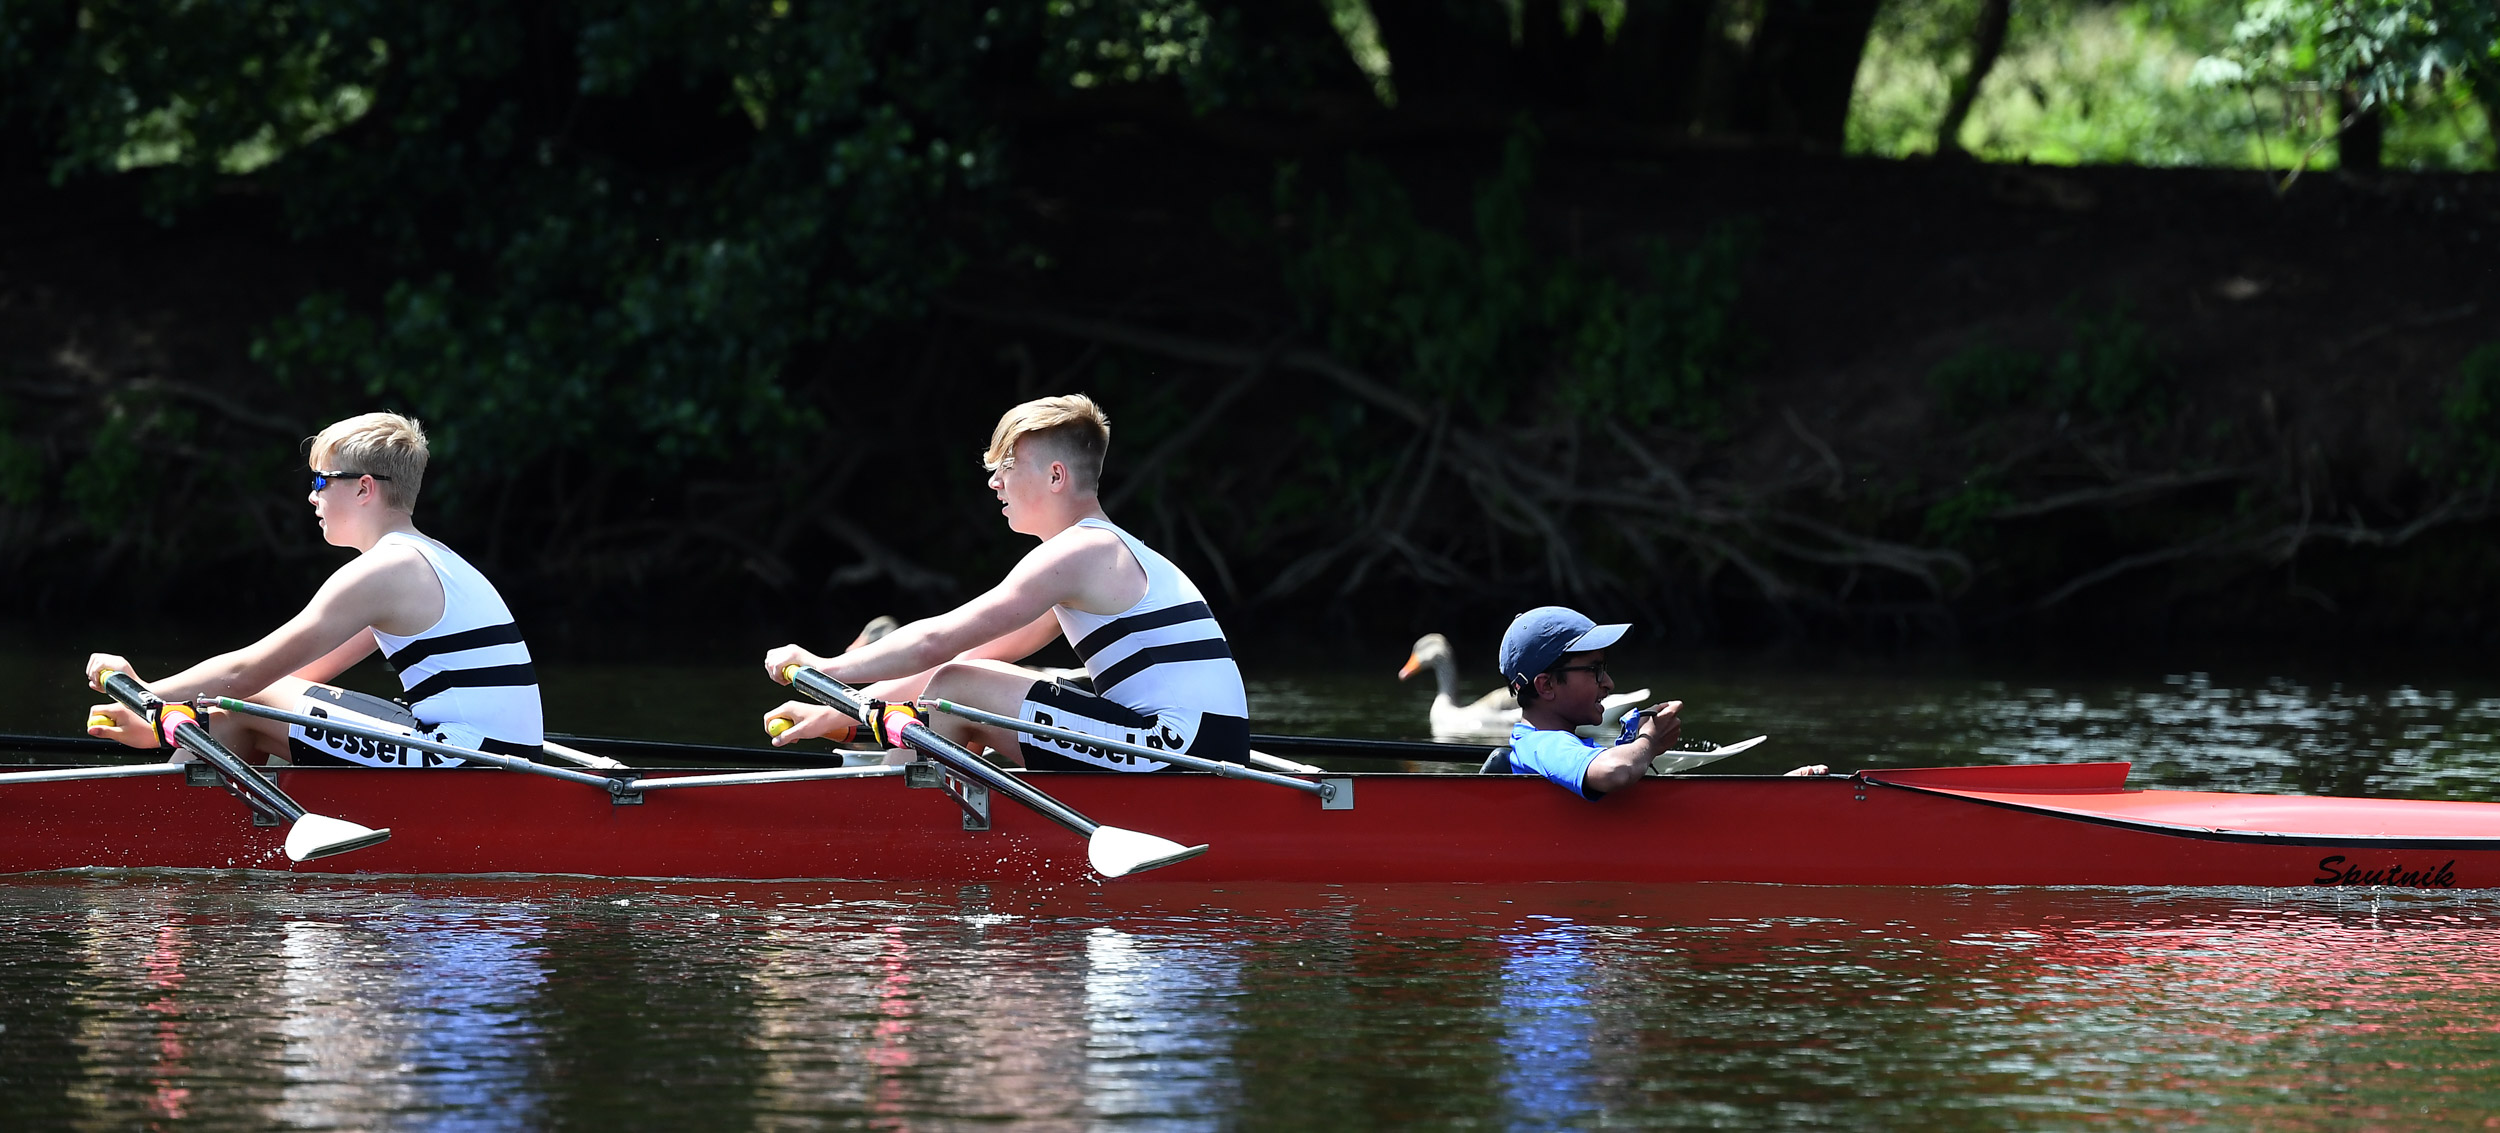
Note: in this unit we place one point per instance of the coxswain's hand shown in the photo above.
(99, 664)
(779, 661)
(800, 720)
(1811, 769)
(121, 725)
(1660, 726)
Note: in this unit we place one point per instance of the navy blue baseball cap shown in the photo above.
(1541, 636)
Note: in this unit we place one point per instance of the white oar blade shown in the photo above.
(1117, 853)
(319, 836)
(1677, 762)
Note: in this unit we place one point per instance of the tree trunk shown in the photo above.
(1987, 42)
(1650, 71)
(2363, 138)
(1803, 70)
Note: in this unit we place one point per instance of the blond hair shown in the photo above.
(380, 445)
(1076, 429)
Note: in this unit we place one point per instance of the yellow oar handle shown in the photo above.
(842, 733)
(99, 720)
(790, 673)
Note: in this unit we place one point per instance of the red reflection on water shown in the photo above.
(891, 1054)
(2308, 960)
(165, 974)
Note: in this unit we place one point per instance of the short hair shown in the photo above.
(379, 444)
(1524, 693)
(1076, 429)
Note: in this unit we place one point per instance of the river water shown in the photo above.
(263, 1001)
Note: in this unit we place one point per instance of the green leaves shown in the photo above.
(2377, 49)
(1660, 350)
(606, 227)
(1492, 324)
(2472, 410)
(2110, 370)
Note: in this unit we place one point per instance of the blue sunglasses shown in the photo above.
(322, 480)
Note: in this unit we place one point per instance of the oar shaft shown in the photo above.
(190, 736)
(69, 745)
(1377, 749)
(667, 754)
(826, 690)
(350, 727)
(1218, 766)
(66, 774)
(757, 778)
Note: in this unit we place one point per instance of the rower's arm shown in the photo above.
(341, 659)
(335, 627)
(1622, 765)
(1019, 645)
(1016, 606)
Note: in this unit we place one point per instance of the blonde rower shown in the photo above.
(1163, 675)
(464, 670)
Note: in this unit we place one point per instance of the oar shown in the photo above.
(615, 785)
(647, 752)
(1463, 753)
(67, 745)
(472, 755)
(1676, 761)
(308, 835)
(1070, 735)
(1113, 852)
(67, 774)
(1378, 749)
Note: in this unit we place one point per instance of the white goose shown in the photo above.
(1492, 714)
(877, 627)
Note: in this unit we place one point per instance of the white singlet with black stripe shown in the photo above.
(471, 666)
(1165, 659)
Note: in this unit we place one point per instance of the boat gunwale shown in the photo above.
(2462, 842)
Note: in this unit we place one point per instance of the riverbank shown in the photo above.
(1951, 402)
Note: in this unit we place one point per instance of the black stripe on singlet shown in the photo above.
(491, 677)
(1211, 649)
(507, 747)
(1222, 737)
(1112, 631)
(508, 633)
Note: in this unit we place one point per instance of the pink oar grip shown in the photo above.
(174, 715)
(898, 717)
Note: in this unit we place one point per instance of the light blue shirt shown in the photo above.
(1562, 757)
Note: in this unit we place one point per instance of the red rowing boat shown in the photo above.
(2069, 824)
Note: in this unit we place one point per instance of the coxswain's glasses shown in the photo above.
(322, 480)
(1598, 668)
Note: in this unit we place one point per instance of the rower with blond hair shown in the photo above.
(1163, 674)
(464, 670)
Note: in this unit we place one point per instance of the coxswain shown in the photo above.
(1554, 659)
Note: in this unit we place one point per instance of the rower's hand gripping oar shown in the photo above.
(1112, 851)
(308, 835)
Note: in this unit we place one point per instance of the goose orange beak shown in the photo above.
(1413, 663)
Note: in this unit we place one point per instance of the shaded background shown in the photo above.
(1753, 320)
